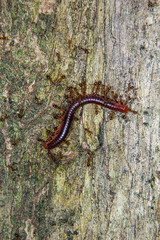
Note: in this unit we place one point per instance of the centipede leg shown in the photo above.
(57, 107)
(106, 93)
(95, 90)
(51, 156)
(71, 92)
(96, 87)
(96, 109)
(67, 98)
(128, 99)
(74, 91)
(114, 96)
(130, 88)
(57, 116)
(78, 94)
(130, 110)
(103, 90)
(83, 87)
(111, 115)
(41, 140)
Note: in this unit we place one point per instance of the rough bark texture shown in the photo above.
(45, 46)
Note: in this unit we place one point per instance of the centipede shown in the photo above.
(84, 99)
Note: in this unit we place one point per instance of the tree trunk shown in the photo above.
(103, 182)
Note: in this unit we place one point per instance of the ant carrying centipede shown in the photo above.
(99, 96)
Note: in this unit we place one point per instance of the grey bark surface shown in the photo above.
(46, 46)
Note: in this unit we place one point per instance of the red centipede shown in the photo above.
(64, 127)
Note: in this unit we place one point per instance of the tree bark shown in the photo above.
(104, 184)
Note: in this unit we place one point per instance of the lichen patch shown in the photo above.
(47, 7)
